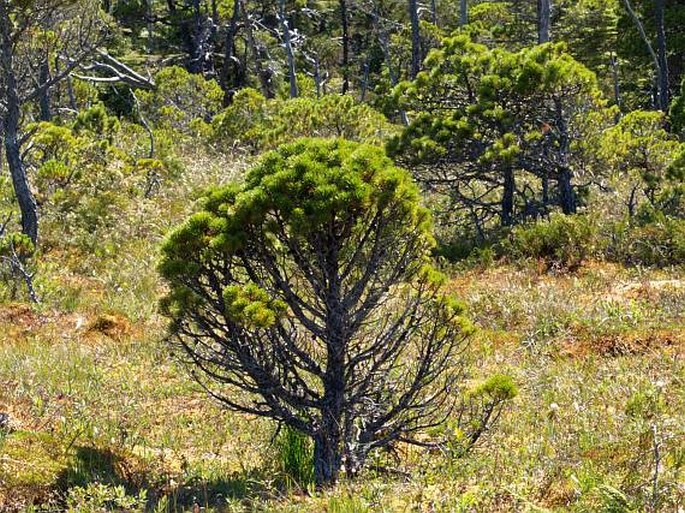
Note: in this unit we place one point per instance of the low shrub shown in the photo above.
(658, 243)
(562, 242)
(258, 124)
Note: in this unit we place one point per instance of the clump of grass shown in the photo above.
(294, 456)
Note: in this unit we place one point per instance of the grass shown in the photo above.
(103, 418)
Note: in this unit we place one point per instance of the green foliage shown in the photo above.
(561, 242)
(98, 122)
(251, 306)
(97, 497)
(319, 225)
(259, 124)
(16, 243)
(659, 242)
(294, 457)
(182, 101)
(640, 152)
(497, 388)
(306, 184)
(86, 173)
(677, 112)
(489, 126)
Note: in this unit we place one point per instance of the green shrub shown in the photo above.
(658, 243)
(560, 242)
(258, 124)
(180, 99)
(97, 497)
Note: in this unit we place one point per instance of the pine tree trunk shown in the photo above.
(25, 198)
(463, 12)
(507, 205)
(415, 39)
(567, 196)
(285, 26)
(345, 46)
(544, 20)
(231, 77)
(327, 452)
(263, 74)
(44, 100)
(664, 97)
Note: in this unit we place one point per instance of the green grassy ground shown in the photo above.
(94, 396)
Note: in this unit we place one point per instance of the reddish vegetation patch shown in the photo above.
(628, 343)
(18, 314)
(113, 325)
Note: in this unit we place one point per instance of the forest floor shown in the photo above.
(93, 396)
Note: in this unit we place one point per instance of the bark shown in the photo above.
(384, 41)
(544, 20)
(195, 40)
(263, 74)
(231, 75)
(345, 46)
(567, 196)
(463, 12)
(648, 44)
(328, 446)
(615, 77)
(285, 26)
(327, 457)
(150, 26)
(25, 198)
(545, 192)
(508, 191)
(365, 80)
(664, 97)
(44, 101)
(434, 13)
(415, 39)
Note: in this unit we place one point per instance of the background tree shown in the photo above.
(297, 296)
(641, 153)
(69, 30)
(655, 52)
(487, 125)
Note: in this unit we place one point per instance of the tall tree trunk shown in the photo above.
(150, 26)
(567, 196)
(327, 455)
(566, 190)
(664, 96)
(285, 26)
(544, 20)
(384, 41)
(44, 100)
(463, 12)
(345, 46)
(231, 76)
(195, 40)
(434, 13)
(415, 39)
(507, 205)
(263, 74)
(650, 49)
(25, 198)
(615, 77)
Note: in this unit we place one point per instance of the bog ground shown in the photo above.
(598, 355)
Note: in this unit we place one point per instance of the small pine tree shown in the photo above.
(307, 296)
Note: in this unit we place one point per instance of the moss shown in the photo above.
(32, 462)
